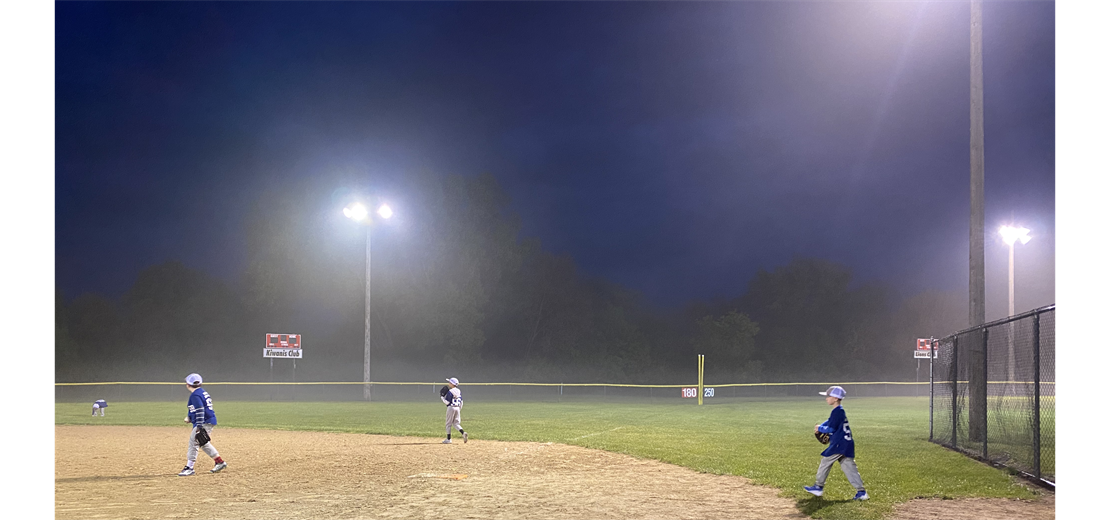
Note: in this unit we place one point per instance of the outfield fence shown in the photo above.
(993, 393)
(423, 391)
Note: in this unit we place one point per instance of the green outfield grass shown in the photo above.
(767, 440)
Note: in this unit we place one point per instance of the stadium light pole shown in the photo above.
(1011, 234)
(358, 213)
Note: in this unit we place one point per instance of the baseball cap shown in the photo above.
(835, 391)
(453, 381)
(193, 379)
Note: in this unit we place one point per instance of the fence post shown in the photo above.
(983, 415)
(1037, 395)
(955, 375)
(932, 350)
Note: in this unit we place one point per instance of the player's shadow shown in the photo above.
(111, 478)
(809, 506)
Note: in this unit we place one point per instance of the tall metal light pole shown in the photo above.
(977, 361)
(358, 213)
(1010, 235)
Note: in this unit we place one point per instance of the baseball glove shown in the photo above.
(823, 438)
(443, 392)
(202, 436)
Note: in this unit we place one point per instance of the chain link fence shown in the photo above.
(993, 393)
(416, 392)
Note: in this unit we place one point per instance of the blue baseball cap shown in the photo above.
(453, 381)
(835, 391)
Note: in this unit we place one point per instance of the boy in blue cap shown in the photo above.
(201, 416)
(841, 446)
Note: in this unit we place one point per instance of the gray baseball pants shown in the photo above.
(209, 449)
(847, 465)
(454, 418)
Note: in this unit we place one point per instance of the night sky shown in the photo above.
(675, 148)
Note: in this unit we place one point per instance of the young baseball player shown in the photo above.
(841, 446)
(453, 399)
(203, 418)
(98, 406)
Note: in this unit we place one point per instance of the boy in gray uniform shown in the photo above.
(452, 397)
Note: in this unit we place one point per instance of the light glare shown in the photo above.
(385, 211)
(356, 212)
(1013, 234)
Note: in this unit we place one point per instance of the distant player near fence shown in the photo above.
(98, 406)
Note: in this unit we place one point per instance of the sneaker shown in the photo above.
(186, 472)
(861, 495)
(218, 467)
(446, 441)
(815, 490)
(465, 437)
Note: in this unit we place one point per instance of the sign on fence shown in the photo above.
(924, 347)
(286, 346)
(692, 391)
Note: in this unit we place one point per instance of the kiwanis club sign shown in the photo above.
(286, 346)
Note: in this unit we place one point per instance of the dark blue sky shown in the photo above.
(675, 148)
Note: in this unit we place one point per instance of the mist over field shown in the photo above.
(459, 293)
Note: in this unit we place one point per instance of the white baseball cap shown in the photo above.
(453, 381)
(835, 391)
(193, 380)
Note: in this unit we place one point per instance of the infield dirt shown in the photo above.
(131, 472)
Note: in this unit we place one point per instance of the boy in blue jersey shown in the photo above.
(841, 446)
(98, 406)
(201, 415)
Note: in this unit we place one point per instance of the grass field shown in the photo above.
(767, 440)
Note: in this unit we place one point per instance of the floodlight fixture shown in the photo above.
(1012, 234)
(356, 212)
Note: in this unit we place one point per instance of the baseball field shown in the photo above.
(613, 458)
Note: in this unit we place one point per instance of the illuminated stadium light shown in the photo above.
(356, 212)
(1012, 234)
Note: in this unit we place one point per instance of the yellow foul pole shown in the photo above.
(700, 378)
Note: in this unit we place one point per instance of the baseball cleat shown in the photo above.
(186, 472)
(218, 467)
(862, 495)
(815, 490)
(446, 441)
(465, 437)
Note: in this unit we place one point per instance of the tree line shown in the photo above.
(456, 289)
